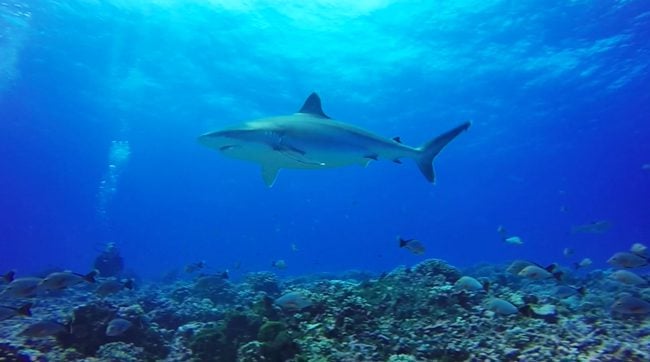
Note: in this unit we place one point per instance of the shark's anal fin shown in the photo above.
(313, 106)
(269, 174)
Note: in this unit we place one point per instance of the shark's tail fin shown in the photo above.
(431, 149)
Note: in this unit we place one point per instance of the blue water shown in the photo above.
(101, 104)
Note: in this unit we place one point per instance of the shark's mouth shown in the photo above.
(227, 148)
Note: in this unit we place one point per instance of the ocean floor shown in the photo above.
(418, 313)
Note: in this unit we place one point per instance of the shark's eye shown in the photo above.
(227, 147)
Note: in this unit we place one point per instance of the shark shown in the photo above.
(309, 139)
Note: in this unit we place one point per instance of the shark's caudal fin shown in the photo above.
(430, 150)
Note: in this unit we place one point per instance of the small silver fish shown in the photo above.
(44, 329)
(631, 305)
(639, 249)
(586, 262)
(624, 259)
(515, 240)
(117, 326)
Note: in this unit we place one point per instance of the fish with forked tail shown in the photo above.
(413, 245)
(44, 329)
(536, 272)
(594, 227)
(7, 312)
(624, 259)
(309, 139)
(65, 279)
(113, 286)
(24, 287)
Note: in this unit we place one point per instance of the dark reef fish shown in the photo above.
(628, 304)
(7, 312)
(471, 284)
(624, 259)
(595, 227)
(501, 306)
(117, 326)
(192, 267)
(566, 291)
(528, 269)
(113, 286)
(44, 329)
(535, 272)
(209, 281)
(65, 279)
(279, 264)
(309, 139)
(413, 245)
(22, 287)
(518, 265)
(8, 277)
(293, 301)
(628, 277)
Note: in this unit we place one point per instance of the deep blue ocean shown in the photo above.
(101, 104)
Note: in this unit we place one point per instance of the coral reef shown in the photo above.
(409, 314)
(264, 282)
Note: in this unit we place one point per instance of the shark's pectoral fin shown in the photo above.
(269, 174)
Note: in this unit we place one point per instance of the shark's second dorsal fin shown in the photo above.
(312, 106)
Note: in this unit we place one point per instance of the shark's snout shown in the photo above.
(212, 139)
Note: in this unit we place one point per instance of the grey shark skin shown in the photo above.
(310, 139)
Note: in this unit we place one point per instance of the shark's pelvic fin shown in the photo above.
(313, 106)
(269, 174)
(430, 150)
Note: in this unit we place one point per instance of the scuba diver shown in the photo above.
(109, 262)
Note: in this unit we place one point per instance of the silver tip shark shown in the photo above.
(309, 139)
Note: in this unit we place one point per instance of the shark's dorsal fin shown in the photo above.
(313, 106)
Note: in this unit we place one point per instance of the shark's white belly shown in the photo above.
(300, 156)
